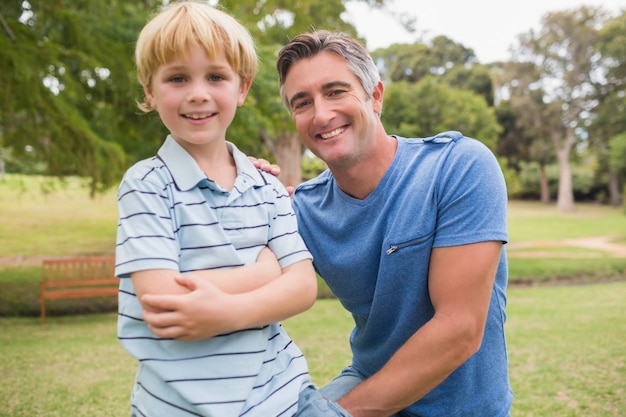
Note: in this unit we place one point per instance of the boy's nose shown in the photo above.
(198, 92)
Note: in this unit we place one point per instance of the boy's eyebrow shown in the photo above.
(181, 67)
(325, 87)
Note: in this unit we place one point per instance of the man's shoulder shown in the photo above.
(321, 181)
(442, 138)
(450, 142)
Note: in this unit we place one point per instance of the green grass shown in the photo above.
(567, 348)
(525, 271)
(49, 218)
(54, 219)
(567, 343)
(534, 221)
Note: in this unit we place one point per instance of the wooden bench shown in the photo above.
(79, 277)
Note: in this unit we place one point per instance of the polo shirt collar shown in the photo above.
(187, 174)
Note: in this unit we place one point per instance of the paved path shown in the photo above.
(599, 246)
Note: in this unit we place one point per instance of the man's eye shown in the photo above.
(301, 104)
(336, 92)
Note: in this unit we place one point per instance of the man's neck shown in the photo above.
(361, 179)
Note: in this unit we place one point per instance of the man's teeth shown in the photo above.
(332, 133)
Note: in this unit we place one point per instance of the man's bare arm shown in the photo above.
(460, 280)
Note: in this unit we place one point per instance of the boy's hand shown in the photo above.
(204, 312)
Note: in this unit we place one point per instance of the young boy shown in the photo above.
(200, 208)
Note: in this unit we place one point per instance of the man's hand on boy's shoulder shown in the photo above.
(265, 166)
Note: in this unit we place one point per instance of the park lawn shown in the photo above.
(50, 218)
(567, 348)
(55, 219)
(567, 343)
(531, 221)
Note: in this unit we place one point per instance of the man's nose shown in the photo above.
(323, 113)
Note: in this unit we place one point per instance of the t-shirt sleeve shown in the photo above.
(145, 235)
(285, 240)
(472, 196)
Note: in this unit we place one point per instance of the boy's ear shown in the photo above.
(148, 92)
(245, 87)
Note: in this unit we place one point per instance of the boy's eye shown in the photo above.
(215, 77)
(177, 79)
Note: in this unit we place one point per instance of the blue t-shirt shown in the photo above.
(173, 217)
(374, 254)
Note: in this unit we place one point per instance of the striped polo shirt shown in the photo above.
(173, 217)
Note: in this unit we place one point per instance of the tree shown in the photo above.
(564, 50)
(69, 87)
(527, 120)
(610, 114)
(430, 106)
(444, 58)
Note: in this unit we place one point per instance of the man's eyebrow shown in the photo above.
(334, 84)
(296, 97)
(325, 87)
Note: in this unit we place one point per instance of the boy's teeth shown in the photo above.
(333, 133)
(197, 116)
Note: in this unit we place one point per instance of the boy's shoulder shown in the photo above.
(143, 168)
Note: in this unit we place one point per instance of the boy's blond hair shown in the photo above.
(178, 27)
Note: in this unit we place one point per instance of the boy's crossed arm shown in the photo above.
(206, 303)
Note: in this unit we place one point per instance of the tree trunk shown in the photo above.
(565, 198)
(543, 184)
(288, 156)
(614, 191)
(287, 150)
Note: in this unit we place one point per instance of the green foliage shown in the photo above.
(451, 62)
(617, 146)
(431, 106)
(511, 177)
(582, 177)
(70, 85)
(20, 296)
(554, 269)
(312, 166)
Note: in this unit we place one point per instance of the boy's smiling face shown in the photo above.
(197, 97)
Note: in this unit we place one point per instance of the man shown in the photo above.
(408, 233)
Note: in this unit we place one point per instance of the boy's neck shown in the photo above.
(217, 163)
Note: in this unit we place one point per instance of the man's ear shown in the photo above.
(377, 97)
